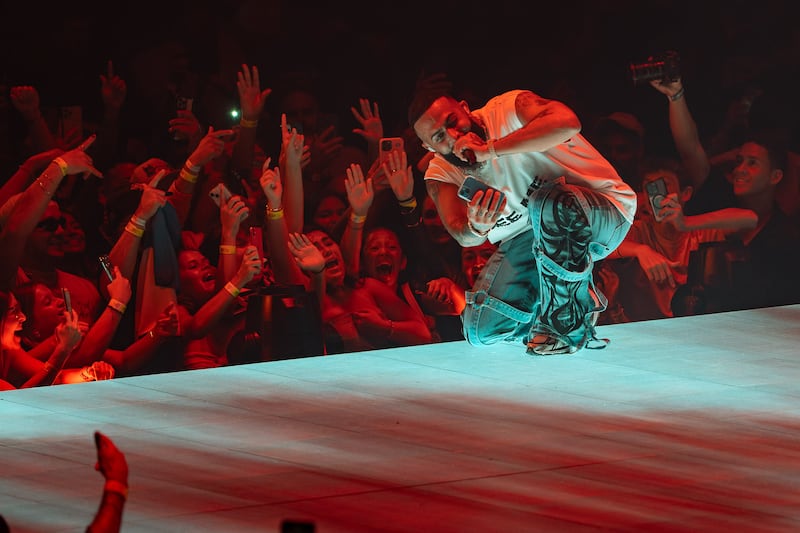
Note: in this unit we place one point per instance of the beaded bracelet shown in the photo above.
(117, 306)
(116, 487)
(475, 231)
(232, 289)
(227, 249)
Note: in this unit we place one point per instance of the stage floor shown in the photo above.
(685, 424)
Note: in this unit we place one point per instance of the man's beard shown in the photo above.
(452, 158)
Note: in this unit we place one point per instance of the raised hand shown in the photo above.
(25, 99)
(251, 97)
(168, 323)
(112, 89)
(293, 148)
(110, 461)
(119, 288)
(78, 161)
(656, 266)
(270, 182)
(152, 198)
(232, 214)
(249, 268)
(211, 146)
(308, 257)
(370, 120)
(68, 333)
(360, 192)
(399, 175)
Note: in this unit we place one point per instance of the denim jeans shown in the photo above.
(506, 303)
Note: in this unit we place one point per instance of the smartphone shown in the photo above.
(387, 145)
(656, 194)
(70, 121)
(183, 103)
(67, 299)
(105, 264)
(220, 194)
(257, 240)
(471, 186)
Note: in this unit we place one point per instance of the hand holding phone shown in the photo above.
(67, 300)
(656, 195)
(105, 264)
(220, 194)
(388, 145)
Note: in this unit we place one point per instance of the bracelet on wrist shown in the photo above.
(232, 289)
(191, 166)
(134, 230)
(677, 96)
(117, 488)
(187, 175)
(474, 230)
(357, 219)
(274, 214)
(410, 203)
(137, 221)
(227, 249)
(117, 306)
(248, 123)
(62, 165)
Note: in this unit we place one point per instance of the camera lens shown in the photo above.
(386, 146)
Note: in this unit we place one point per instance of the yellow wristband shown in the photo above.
(227, 249)
(411, 203)
(188, 176)
(232, 289)
(274, 214)
(117, 306)
(357, 219)
(62, 165)
(117, 488)
(134, 230)
(248, 123)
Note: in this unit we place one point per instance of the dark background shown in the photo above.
(577, 51)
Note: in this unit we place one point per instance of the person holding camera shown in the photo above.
(545, 195)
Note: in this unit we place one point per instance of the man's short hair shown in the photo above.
(422, 101)
(775, 143)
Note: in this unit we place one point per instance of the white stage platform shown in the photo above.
(686, 424)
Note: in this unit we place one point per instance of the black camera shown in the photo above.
(386, 145)
(665, 67)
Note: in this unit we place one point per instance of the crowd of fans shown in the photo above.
(279, 231)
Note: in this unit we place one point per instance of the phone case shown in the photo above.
(656, 193)
(389, 144)
(105, 263)
(67, 299)
(471, 186)
(220, 194)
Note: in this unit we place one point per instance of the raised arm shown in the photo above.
(25, 99)
(547, 123)
(251, 104)
(684, 131)
(360, 194)
(31, 205)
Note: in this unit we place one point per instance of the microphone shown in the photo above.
(470, 155)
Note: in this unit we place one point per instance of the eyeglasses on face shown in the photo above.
(52, 223)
